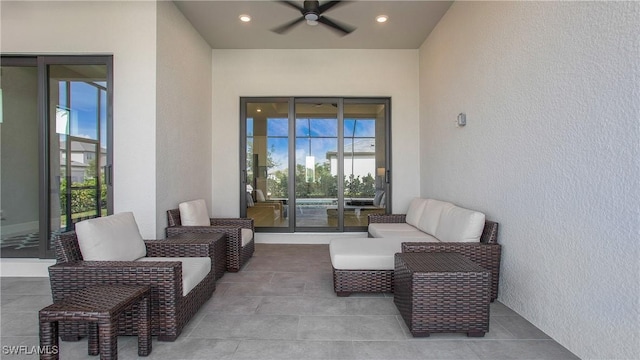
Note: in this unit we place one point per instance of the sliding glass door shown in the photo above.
(55, 129)
(314, 164)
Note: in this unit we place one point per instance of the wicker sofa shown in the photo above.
(171, 307)
(366, 264)
(239, 231)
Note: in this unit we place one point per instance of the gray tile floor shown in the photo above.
(281, 305)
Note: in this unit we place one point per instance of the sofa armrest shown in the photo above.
(487, 256)
(180, 248)
(387, 218)
(164, 277)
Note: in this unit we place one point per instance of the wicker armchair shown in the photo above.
(170, 310)
(237, 253)
(486, 253)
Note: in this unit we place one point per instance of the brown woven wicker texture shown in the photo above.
(170, 310)
(237, 255)
(366, 281)
(442, 292)
(486, 253)
(101, 306)
(219, 241)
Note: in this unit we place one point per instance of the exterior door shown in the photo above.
(56, 149)
(314, 164)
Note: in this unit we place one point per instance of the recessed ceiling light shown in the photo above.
(382, 18)
(245, 18)
(259, 110)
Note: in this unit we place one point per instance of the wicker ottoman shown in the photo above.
(442, 292)
(219, 240)
(101, 306)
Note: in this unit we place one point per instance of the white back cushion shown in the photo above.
(194, 213)
(115, 237)
(415, 211)
(460, 225)
(431, 215)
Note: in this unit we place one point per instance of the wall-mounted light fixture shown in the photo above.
(462, 120)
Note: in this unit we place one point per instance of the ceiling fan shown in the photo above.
(312, 12)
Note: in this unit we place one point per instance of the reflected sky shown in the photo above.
(314, 137)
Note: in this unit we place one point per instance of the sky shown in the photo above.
(318, 134)
(83, 109)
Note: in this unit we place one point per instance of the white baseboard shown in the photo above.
(302, 238)
(25, 267)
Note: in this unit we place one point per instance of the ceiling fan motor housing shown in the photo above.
(311, 10)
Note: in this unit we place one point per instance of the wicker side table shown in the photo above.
(442, 292)
(219, 240)
(101, 306)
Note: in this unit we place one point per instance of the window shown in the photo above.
(296, 150)
(56, 153)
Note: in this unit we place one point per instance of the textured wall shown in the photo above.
(551, 151)
(183, 127)
(239, 73)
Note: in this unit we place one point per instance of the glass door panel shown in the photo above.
(77, 147)
(267, 164)
(316, 144)
(19, 131)
(364, 162)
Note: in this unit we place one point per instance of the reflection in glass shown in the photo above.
(19, 232)
(267, 155)
(363, 163)
(78, 153)
(316, 182)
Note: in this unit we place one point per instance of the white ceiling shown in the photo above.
(410, 22)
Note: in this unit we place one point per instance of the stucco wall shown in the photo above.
(550, 151)
(126, 30)
(183, 153)
(239, 73)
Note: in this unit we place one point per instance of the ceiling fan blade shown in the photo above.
(293, 5)
(286, 27)
(328, 5)
(342, 28)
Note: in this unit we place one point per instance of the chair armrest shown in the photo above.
(387, 218)
(164, 277)
(180, 248)
(487, 256)
(245, 223)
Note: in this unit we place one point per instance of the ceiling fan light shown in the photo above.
(312, 22)
(244, 18)
(382, 18)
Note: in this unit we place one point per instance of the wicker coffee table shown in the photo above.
(442, 292)
(219, 241)
(101, 306)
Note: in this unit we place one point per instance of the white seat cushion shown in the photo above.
(194, 213)
(377, 229)
(110, 238)
(415, 211)
(460, 225)
(246, 235)
(194, 269)
(364, 253)
(431, 215)
(416, 235)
